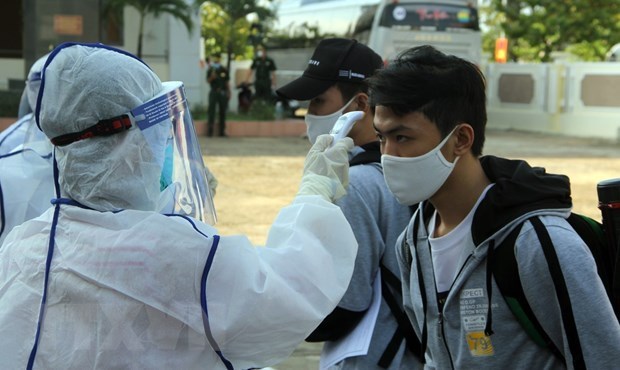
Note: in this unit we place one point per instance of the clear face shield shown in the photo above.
(167, 126)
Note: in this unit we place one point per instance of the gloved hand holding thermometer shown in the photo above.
(326, 170)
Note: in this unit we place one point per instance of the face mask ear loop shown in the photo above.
(344, 107)
(48, 263)
(447, 138)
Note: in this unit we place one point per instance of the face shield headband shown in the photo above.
(166, 124)
(52, 55)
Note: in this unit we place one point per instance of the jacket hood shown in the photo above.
(519, 189)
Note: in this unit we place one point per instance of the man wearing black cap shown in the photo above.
(334, 82)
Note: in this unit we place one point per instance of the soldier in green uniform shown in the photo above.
(218, 78)
(265, 77)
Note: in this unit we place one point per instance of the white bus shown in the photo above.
(396, 25)
(387, 26)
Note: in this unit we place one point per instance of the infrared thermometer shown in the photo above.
(345, 124)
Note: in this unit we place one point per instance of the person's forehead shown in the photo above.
(386, 120)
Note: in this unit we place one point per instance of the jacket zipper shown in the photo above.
(441, 301)
(442, 335)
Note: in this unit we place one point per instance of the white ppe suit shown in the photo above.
(20, 132)
(26, 184)
(26, 172)
(126, 289)
(103, 281)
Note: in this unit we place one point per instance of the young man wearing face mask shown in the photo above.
(430, 117)
(334, 82)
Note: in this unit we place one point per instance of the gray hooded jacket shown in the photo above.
(454, 328)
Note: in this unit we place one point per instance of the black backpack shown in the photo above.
(391, 284)
(505, 271)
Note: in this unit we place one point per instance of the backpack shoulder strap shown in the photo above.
(506, 273)
(562, 293)
(390, 287)
(505, 270)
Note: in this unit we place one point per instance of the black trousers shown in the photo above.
(217, 101)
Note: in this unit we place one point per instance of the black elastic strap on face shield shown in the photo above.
(105, 127)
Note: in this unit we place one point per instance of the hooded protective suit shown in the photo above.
(102, 280)
(22, 132)
(454, 327)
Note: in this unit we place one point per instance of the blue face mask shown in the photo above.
(215, 65)
(166, 173)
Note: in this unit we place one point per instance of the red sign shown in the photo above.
(501, 50)
(68, 25)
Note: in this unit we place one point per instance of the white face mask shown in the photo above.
(319, 125)
(415, 179)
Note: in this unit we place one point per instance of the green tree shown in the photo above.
(226, 27)
(492, 20)
(303, 35)
(537, 28)
(177, 8)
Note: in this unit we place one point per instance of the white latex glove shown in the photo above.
(326, 169)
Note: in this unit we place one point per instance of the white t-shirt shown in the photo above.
(451, 250)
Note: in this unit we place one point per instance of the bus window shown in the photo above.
(429, 16)
(363, 26)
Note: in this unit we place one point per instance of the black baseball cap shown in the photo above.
(333, 60)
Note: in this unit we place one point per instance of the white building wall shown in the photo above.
(574, 99)
(10, 69)
(170, 50)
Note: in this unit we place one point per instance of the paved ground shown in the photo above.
(260, 175)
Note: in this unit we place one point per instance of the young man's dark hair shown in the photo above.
(430, 118)
(422, 79)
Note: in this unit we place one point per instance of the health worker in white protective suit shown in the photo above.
(24, 129)
(26, 171)
(103, 280)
